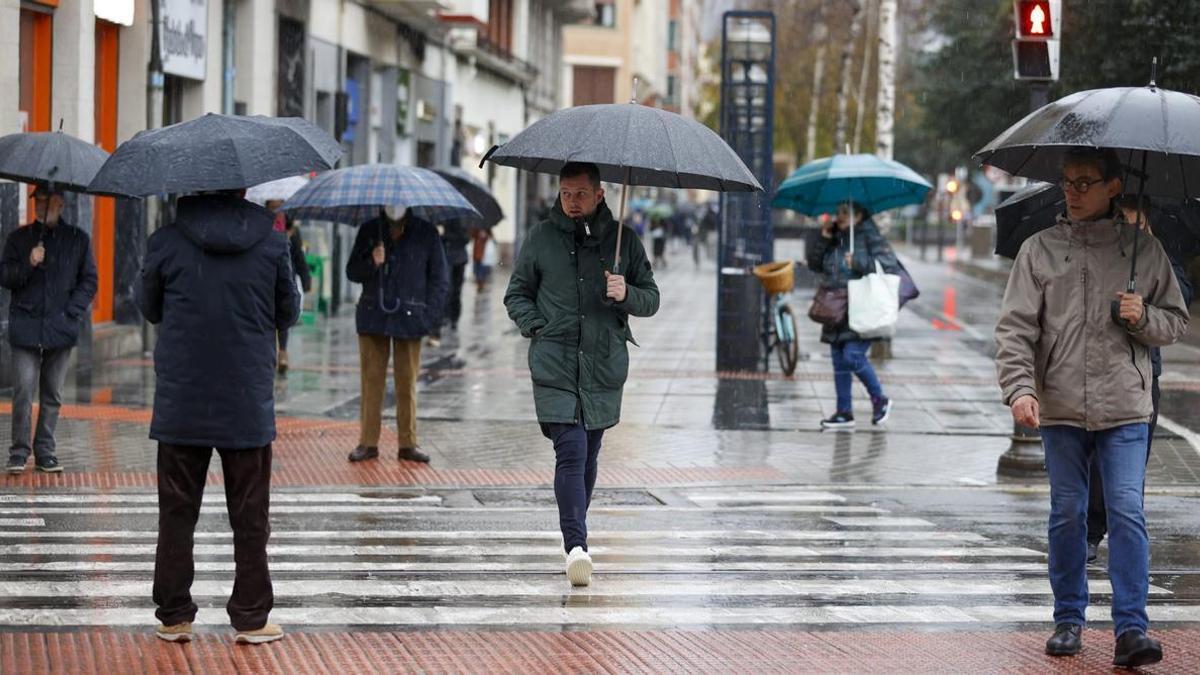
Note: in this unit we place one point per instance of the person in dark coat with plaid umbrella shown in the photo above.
(399, 260)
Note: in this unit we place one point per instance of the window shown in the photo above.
(672, 90)
(499, 27)
(606, 13)
(673, 36)
(593, 84)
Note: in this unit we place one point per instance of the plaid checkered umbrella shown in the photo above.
(358, 194)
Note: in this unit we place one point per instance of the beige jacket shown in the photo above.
(1055, 338)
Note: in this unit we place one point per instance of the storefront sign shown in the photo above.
(184, 37)
(114, 11)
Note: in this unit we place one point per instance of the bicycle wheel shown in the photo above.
(787, 341)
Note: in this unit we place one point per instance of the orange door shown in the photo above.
(104, 219)
(35, 69)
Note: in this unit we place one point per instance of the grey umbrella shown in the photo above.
(1160, 123)
(632, 145)
(66, 162)
(476, 192)
(215, 152)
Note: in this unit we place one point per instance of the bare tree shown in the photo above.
(843, 92)
(864, 76)
(820, 36)
(885, 106)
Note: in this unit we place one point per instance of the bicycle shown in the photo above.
(780, 334)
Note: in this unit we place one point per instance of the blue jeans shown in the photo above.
(850, 359)
(43, 371)
(1121, 454)
(576, 451)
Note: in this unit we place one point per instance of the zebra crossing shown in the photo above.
(379, 558)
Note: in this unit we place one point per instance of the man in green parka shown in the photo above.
(575, 309)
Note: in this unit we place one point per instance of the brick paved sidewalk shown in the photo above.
(447, 651)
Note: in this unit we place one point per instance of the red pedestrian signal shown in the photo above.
(1034, 19)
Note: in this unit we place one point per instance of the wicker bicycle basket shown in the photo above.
(777, 277)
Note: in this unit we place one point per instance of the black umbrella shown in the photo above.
(476, 192)
(1175, 223)
(215, 152)
(632, 145)
(52, 158)
(1027, 212)
(1153, 131)
(1160, 124)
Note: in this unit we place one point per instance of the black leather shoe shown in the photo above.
(364, 452)
(1093, 551)
(1066, 641)
(16, 463)
(1135, 649)
(412, 455)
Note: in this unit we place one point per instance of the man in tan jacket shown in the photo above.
(1067, 366)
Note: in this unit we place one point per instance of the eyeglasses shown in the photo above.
(1080, 185)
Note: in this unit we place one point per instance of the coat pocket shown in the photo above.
(548, 363)
(1045, 354)
(613, 368)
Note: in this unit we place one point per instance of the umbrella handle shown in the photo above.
(621, 221)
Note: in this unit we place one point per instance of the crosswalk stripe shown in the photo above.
(556, 567)
(630, 616)
(602, 586)
(22, 522)
(214, 498)
(761, 497)
(879, 522)
(79, 549)
(540, 535)
(215, 509)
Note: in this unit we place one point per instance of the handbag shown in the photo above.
(828, 306)
(908, 287)
(874, 303)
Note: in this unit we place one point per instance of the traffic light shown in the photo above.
(1036, 47)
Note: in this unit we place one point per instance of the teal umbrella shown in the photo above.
(661, 210)
(869, 181)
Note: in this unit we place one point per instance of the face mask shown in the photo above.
(394, 212)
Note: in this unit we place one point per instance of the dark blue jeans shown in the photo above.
(850, 359)
(576, 451)
(43, 371)
(1121, 454)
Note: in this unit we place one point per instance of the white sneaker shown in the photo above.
(579, 567)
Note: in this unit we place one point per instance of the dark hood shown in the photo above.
(223, 223)
(599, 221)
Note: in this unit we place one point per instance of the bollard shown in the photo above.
(1025, 456)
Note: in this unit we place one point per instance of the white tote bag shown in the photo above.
(873, 303)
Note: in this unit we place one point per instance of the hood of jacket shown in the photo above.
(223, 223)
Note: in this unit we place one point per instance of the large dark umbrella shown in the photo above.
(476, 192)
(632, 145)
(216, 152)
(1161, 125)
(1028, 211)
(1175, 223)
(52, 158)
(1153, 131)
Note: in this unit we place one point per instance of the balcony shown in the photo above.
(419, 14)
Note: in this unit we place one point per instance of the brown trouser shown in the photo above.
(182, 472)
(373, 353)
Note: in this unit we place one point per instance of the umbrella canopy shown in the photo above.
(216, 152)
(1176, 223)
(633, 145)
(357, 194)
(1130, 120)
(476, 192)
(874, 183)
(276, 190)
(50, 157)
(1028, 211)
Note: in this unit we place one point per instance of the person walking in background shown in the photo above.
(1097, 520)
(299, 265)
(454, 240)
(576, 314)
(219, 284)
(658, 240)
(1082, 376)
(49, 268)
(481, 256)
(828, 254)
(399, 260)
